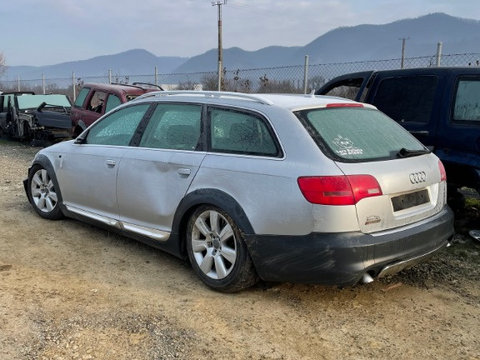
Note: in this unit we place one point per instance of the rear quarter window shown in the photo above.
(357, 134)
(467, 101)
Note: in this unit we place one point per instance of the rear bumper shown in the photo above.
(343, 258)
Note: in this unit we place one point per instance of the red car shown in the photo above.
(94, 100)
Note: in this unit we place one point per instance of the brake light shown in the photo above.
(335, 105)
(443, 173)
(338, 190)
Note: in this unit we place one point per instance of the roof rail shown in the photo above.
(210, 94)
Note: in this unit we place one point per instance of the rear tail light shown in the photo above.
(338, 190)
(443, 173)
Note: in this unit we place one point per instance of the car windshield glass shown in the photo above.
(34, 101)
(357, 134)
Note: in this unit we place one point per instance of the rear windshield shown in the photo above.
(357, 134)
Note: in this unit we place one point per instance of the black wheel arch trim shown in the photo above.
(212, 197)
(45, 162)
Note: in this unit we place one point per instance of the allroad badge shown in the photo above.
(418, 177)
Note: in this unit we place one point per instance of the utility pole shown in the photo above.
(219, 3)
(402, 63)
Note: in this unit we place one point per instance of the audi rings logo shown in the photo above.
(418, 177)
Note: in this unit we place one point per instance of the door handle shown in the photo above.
(111, 163)
(184, 171)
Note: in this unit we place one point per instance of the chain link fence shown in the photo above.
(282, 79)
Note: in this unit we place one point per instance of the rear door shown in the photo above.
(154, 177)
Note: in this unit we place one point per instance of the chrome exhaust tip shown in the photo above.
(367, 278)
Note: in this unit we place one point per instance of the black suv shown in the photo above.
(440, 106)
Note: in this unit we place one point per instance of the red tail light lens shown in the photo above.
(338, 190)
(443, 173)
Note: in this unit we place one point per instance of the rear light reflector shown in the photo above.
(338, 190)
(443, 173)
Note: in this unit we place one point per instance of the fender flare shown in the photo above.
(212, 197)
(45, 162)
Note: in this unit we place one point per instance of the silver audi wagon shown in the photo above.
(293, 188)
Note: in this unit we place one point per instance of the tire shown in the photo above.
(43, 194)
(217, 251)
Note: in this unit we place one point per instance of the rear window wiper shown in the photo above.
(403, 153)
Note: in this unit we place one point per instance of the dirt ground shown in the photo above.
(71, 291)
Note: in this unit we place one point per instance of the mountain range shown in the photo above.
(344, 44)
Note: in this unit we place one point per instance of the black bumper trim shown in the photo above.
(343, 258)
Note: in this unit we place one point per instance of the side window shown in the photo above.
(238, 132)
(97, 102)
(467, 101)
(173, 126)
(117, 128)
(81, 97)
(408, 98)
(112, 102)
(346, 89)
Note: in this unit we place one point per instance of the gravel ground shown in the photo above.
(72, 291)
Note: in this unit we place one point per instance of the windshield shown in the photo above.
(34, 101)
(357, 134)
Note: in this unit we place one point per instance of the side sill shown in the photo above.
(154, 234)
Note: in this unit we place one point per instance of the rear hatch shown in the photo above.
(399, 180)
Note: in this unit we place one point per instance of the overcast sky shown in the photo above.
(46, 32)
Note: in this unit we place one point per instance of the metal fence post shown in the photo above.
(18, 83)
(74, 91)
(305, 75)
(43, 83)
(439, 53)
(109, 76)
(156, 76)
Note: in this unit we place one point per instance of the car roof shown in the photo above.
(115, 88)
(288, 101)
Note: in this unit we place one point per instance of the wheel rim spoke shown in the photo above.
(220, 267)
(48, 203)
(229, 254)
(226, 233)
(36, 180)
(36, 192)
(199, 245)
(53, 197)
(207, 264)
(202, 226)
(214, 221)
(41, 203)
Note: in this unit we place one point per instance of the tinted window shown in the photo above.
(81, 97)
(173, 126)
(357, 133)
(112, 102)
(408, 98)
(117, 128)
(467, 101)
(237, 132)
